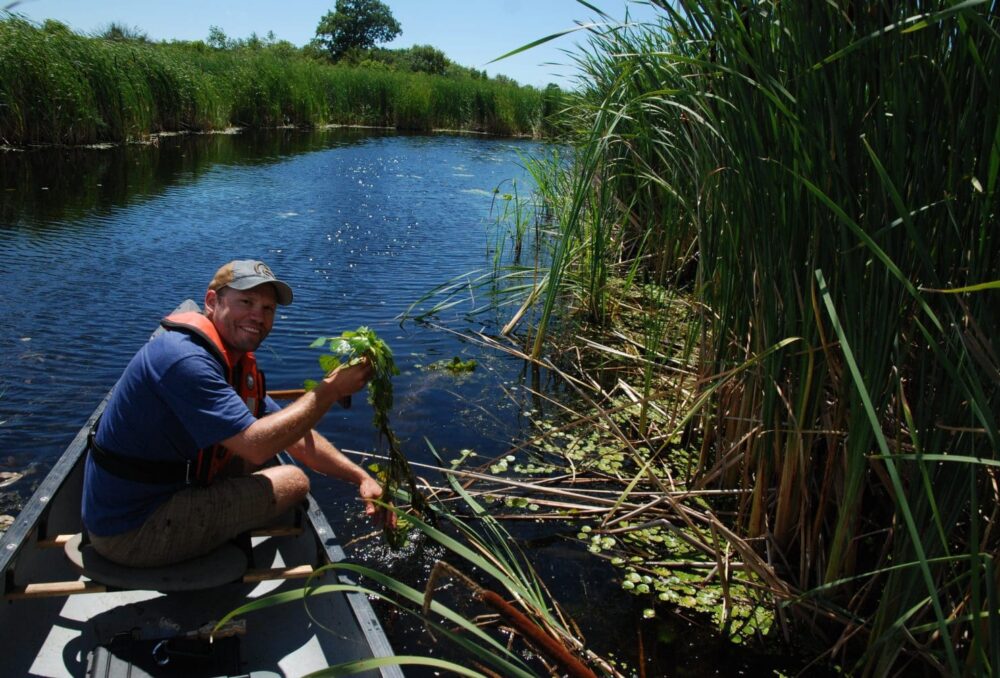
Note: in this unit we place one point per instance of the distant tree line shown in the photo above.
(349, 35)
(351, 32)
(116, 85)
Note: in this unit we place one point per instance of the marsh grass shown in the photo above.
(58, 87)
(818, 182)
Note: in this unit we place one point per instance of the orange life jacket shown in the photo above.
(244, 376)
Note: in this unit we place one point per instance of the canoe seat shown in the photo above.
(223, 565)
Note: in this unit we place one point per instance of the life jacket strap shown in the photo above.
(141, 470)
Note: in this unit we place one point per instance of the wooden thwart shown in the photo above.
(60, 540)
(57, 542)
(56, 588)
(297, 572)
(277, 531)
(83, 586)
(287, 393)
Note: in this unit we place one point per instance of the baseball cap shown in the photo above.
(244, 274)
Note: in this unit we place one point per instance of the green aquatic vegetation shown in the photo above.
(502, 465)
(350, 348)
(659, 560)
(463, 456)
(735, 608)
(531, 469)
(520, 503)
(591, 449)
(456, 365)
(655, 540)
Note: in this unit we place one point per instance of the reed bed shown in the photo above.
(57, 87)
(801, 198)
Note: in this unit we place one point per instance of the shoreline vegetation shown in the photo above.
(61, 88)
(767, 270)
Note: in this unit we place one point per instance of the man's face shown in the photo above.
(242, 317)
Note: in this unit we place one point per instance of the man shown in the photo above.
(191, 406)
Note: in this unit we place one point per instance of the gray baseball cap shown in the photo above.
(244, 274)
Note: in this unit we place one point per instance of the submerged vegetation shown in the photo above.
(776, 240)
(58, 87)
(456, 365)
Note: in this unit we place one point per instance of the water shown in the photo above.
(98, 244)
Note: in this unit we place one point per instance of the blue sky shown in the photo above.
(470, 32)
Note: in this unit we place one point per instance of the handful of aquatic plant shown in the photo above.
(350, 348)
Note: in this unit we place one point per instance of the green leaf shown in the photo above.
(542, 41)
(991, 285)
(340, 346)
(328, 363)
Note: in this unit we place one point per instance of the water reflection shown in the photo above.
(52, 187)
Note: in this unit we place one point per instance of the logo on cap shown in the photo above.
(261, 268)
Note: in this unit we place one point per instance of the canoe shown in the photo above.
(66, 614)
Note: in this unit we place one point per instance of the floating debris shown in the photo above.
(9, 478)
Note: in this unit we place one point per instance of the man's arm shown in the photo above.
(281, 430)
(319, 454)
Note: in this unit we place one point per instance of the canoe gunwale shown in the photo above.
(360, 605)
(31, 517)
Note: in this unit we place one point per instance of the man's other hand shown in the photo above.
(369, 490)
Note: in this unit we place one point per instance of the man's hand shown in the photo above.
(348, 379)
(369, 489)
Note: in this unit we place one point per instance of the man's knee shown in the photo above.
(290, 484)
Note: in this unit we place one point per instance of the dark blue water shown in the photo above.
(97, 245)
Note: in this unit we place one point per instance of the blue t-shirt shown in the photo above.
(172, 400)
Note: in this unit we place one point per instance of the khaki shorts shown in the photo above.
(193, 522)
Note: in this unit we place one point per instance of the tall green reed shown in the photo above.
(738, 150)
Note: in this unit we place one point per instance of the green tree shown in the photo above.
(123, 33)
(217, 38)
(426, 59)
(356, 24)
